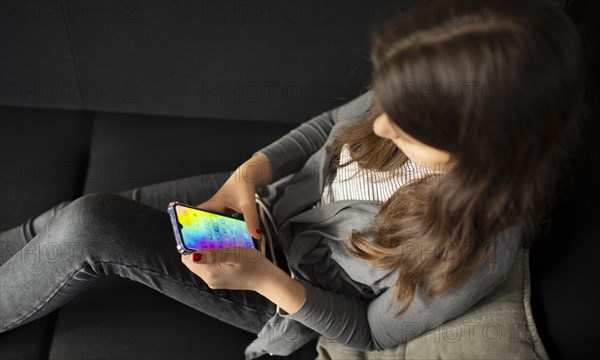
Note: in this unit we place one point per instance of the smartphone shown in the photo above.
(197, 229)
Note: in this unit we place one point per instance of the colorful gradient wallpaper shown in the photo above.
(204, 230)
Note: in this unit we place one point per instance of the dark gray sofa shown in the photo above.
(95, 96)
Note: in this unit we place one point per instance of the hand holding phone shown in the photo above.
(196, 229)
(237, 193)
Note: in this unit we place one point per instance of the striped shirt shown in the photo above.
(368, 184)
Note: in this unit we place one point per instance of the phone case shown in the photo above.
(178, 240)
(232, 240)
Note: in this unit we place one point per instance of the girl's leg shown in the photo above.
(13, 240)
(105, 233)
(190, 190)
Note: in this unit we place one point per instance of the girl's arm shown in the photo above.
(257, 169)
(276, 285)
(371, 324)
(290, 152)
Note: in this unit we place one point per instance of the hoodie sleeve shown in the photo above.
(290, 152)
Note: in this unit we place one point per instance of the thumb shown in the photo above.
(251, 219)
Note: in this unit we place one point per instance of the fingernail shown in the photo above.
(258, 231)
(196, 257)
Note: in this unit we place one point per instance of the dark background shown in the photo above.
(111, 95)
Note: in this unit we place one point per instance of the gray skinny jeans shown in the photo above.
(49, 259)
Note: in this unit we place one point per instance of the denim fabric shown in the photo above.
(52, 257)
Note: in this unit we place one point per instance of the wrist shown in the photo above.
(267, 273)
(280, 288)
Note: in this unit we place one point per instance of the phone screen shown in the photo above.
(202, 229)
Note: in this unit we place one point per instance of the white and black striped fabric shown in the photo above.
(368, 184)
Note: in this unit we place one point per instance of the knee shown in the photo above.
(87, 225)
(87, 209)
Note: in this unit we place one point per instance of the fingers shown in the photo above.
(251, 219)
(216, 206)
(236, 197)
(231, 255)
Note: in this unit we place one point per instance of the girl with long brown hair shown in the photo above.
(498, 88)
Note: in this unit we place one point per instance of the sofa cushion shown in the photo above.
(30, 341)
(130, 150)
(499, 326)
(43, 160)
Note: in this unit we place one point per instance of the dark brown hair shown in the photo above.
(499, 86)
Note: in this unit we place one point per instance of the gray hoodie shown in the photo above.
(347, 299)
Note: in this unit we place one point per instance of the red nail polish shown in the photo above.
(258, 232)
(196, 257)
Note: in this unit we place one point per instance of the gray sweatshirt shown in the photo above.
(347, 299)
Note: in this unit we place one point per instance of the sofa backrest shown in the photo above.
(273, 60)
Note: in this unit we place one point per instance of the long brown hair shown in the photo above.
(499, 86)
